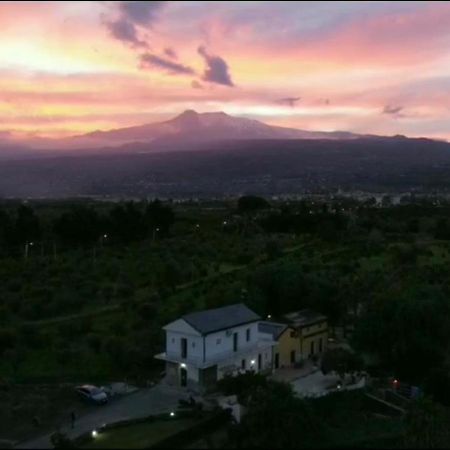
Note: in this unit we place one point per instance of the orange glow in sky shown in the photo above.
(367, 67)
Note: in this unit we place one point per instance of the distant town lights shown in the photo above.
(269, 316)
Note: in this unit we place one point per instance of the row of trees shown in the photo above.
(82, 224)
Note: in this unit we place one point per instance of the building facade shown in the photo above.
(203, 347)
(312, 329)
(304, 335)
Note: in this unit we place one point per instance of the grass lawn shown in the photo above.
(140, 435)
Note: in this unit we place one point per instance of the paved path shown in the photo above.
(317, 384)
(144, 402)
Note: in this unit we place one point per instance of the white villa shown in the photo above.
(204, 346)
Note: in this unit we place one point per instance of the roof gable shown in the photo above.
(181, 326)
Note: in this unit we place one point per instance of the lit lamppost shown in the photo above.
(103, 238)
(27, 246)
(155, 230)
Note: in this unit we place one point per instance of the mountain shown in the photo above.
(189, 126)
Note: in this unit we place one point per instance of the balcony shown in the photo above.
(217, 358)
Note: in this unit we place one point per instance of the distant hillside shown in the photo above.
(236, 167)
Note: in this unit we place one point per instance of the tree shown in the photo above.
(251, 203)
(341, 361)
(273, 249)
(437, 385)
(6, 227)
(426, 425)
(159, 216)
(126, 222)
(61, 440)
(8, 339)
(27, 226)
(275, 418)
(412, 324)
(79, 225)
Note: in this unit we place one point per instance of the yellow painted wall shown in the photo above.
(286, 344)
(313, 334)
(301, 343)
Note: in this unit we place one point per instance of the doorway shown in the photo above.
(183, 377)
(277, 360)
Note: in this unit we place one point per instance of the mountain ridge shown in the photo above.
(189, 125)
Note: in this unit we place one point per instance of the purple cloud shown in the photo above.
(142, 13)
(216, 70)
(148, 60)
(390, 109)
(125, 31)
(290, 101)
(171, 53)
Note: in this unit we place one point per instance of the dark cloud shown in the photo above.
(290, 101)
(148, 60)
(216, 70)
(171, 53)
(123, 30)
(196, 85)
(391, 109)
(133, 15)
(142, 13)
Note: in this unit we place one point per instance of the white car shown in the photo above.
(92, 393)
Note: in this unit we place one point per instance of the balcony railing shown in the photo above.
(215, 358)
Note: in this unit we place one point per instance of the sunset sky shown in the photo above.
(376, 67)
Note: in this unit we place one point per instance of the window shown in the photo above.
(183, 347)
(243, 364)
(247, 334)
(235, 342)
(218, 341)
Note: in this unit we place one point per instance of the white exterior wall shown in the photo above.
(221, 343)
(233, 364)
(177, 331)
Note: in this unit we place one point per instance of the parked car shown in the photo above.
(92, 394)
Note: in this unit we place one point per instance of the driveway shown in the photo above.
(317, 384)
(144, 402)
